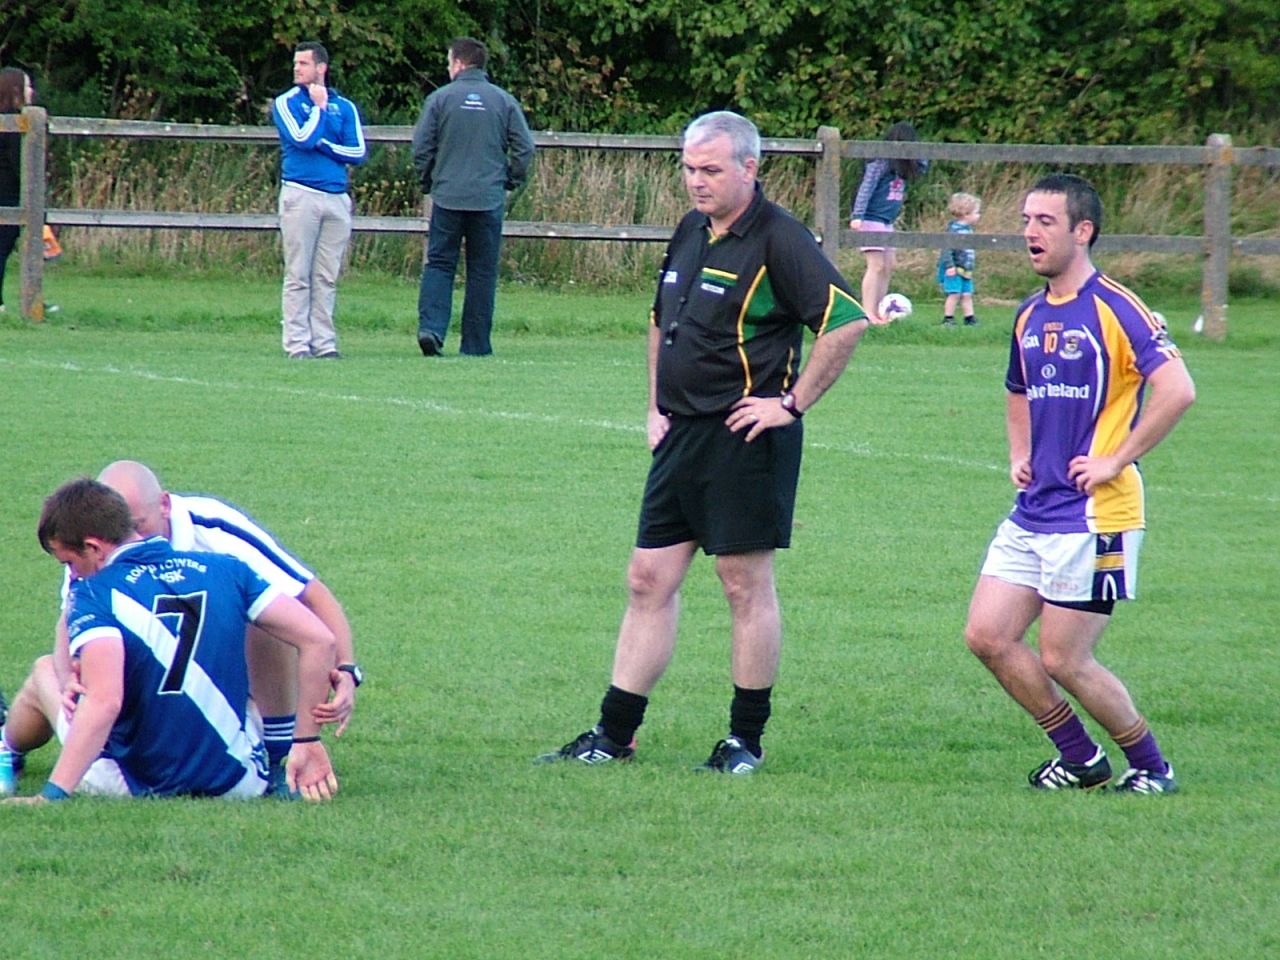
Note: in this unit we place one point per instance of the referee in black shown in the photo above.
(740, 279)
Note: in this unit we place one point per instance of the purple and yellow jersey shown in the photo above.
(1082, 363)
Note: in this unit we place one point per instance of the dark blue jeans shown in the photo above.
(482, 231)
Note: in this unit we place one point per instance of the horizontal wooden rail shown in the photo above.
(184, 220)
(641, 233)
(150, 130)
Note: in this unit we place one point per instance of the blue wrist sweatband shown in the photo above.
(52, 791)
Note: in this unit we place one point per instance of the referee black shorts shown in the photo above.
(710, 486)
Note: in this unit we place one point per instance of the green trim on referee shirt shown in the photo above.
(758, 305)
(721, 278)
(841, 309)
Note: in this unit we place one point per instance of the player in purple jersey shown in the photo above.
(1083, 353)
(159, 639)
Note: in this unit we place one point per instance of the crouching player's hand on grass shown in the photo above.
(309, 772)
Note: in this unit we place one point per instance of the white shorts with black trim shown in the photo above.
(104, 777)
(1066, 567)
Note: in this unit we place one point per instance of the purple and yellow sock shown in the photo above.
(1068, 733)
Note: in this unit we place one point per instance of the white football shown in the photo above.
(894, 306)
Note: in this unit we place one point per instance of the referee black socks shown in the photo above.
(621, 714)
(748, 714)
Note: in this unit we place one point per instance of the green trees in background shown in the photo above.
(185, 60)
(1006, 70)
(1016, 70)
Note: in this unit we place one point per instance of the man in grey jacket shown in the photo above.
(470, 145)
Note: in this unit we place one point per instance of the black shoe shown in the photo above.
(731, 755)
(278, 784)
(971, 322)
(329, 355)
(1144, 781)
(1059, 774)
(430, 345)
(591, 747)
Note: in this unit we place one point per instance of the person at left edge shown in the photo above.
(16, 92)
(159, 636)
(320, 139)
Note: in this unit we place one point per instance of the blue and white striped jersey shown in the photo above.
(183, 726)
(213, 525)
(207, 523)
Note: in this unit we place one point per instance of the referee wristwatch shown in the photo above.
(357, 675)
(789, 405)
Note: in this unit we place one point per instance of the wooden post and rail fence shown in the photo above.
(1217, 157)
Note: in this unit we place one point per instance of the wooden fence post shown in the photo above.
(1217, 236)
(826, 191)
(35, 142)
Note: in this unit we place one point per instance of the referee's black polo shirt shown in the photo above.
(730, 310)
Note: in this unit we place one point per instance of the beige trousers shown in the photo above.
(314, 228)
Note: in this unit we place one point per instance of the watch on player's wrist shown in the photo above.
(357, 675)
(789, 405)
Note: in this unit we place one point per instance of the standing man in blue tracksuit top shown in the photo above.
(470, 145)
(320, 137)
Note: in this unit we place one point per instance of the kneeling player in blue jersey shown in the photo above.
(159, 639)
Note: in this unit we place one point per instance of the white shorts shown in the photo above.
(105, 779)
(1066, 567)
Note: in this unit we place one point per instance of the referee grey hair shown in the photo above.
(742, 133)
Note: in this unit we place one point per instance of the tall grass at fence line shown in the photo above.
(614, 188)
(134, 175)
(606, 188)
(618, 189)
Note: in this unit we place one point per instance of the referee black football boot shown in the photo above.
(731, 755)
(592, 747)
(1059, 774)
(430, 345)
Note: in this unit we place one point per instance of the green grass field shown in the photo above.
(475, 517)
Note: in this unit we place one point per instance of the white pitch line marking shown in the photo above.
(517, 416)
